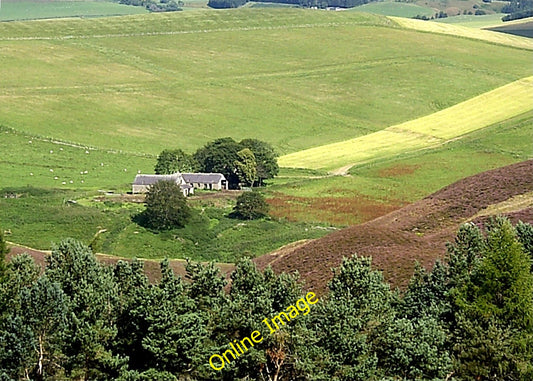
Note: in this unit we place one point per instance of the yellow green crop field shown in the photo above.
(429, 131)
(467, 32)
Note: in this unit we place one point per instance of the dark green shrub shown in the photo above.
(249, 206)
(166, 207)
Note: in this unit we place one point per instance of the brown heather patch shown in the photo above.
(398, 170)
(334, 210)
(417, 232)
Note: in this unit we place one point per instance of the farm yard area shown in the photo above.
(173, 180)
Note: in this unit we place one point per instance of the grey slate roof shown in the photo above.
(203, 178)
(152, 179)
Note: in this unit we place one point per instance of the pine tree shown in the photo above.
(4, 251)
(414, 344)
(92, 299)
(525, 236)
(45, 311)
(494, 334)
(346, 324)
(176, 335)
(16, 336)
(132, 310)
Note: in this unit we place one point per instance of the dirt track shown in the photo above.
(417, 232)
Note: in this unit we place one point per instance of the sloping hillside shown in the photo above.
(425, 132)
(417, 232)
(295, 78)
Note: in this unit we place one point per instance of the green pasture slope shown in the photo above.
(86, 104)
(30, 160)
(40, 217)
(394, 8)
(422, 133)
(295, 78)
(30, 10)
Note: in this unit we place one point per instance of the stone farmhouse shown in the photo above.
(187, 182)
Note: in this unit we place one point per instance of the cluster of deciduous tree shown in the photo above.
(167, 208)
(249, 162)
(470, 318)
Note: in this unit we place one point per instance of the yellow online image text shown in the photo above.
(302, 305)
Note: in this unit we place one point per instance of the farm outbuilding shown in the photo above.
(143, 182)
(187, 181)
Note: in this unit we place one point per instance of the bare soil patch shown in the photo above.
(398, 170)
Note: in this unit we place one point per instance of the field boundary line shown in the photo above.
(179, 32)
(51, 140)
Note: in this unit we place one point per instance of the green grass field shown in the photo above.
(142, 83)
(422, 133)
(392, 8)
(50, 163)
(29, 10)
(88, 103)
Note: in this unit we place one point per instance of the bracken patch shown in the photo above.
(335, 210)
